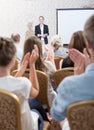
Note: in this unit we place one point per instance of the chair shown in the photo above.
(43, 84)
(42, 97)
(57, 60)
(15, 66)
(10, 115)
(60, 74)
(80, 115)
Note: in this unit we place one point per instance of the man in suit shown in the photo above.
(42, 30)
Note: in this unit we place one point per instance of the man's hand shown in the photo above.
(79, 61)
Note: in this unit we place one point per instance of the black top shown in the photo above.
(67, 62)
(45, 31)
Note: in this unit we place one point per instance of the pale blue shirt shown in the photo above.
(61, 52)
(73, 89)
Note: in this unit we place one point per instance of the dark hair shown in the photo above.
(7, 51)
(15, 37)
(29, 46)
(77, 41)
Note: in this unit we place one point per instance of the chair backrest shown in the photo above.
(43, 84)
(57, 60)
(60, 74)
(15, 66)
(10, 115)
(80, 115)
(26, 74)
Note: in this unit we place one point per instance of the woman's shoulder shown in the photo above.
(20, 80)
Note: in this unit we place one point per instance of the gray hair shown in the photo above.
(89, 30)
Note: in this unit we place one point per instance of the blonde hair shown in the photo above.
(56, 42)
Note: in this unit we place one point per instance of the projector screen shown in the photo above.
(71, 20)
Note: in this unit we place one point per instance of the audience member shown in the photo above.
(79, 87)
(21, 86)
(16, 41)
(57, 46)
(30, 30)
(41, 64)
(78, 42)
(19, 52)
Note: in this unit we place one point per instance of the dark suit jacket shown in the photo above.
(45, 31)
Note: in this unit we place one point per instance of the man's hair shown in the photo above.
(89, 30)
(15, 37)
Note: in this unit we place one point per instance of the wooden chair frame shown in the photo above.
(6, 94)
(57, 60)
(80, 115)
(43, 96)
(60, 74)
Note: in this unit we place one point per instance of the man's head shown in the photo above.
(15, 38)
(41, 19)
(89, 31)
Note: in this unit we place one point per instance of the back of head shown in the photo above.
(7, 51)
(77, 41)
(89, 30)
(29, 46)
(56, 42)
(15, 37)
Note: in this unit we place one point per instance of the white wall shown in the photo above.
(71, 20)
(15, 14)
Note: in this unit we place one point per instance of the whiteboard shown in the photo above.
(71, 20)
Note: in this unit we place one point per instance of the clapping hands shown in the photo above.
(81, 60)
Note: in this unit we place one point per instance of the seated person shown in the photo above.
(41, 64)
(78, 42)
(30, 30)
(78, 87)
(20, 86)
(19, 51)
(57, 46)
